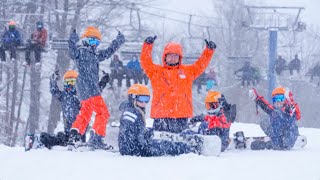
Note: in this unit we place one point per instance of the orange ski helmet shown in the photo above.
(91, 32)
(70, 74)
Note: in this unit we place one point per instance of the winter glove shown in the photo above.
(55, 76)
(120, 38)
(289, 96)
(222, 101)
(105, 78)
(150, 39)
(210, 44)
(74, 38)
(253, 94)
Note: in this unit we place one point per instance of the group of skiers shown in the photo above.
(281, 65)
(11, 39)
(131, 71)
(171, 106)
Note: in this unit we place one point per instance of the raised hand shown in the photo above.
(210, 44)
(74, 38)
(150, 39)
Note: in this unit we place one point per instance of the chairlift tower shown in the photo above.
(273, 19)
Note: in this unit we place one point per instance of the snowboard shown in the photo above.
(209, 145)
(259, 142)
(32, 141)
(82, 147)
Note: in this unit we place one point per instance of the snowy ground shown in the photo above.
(15, 164)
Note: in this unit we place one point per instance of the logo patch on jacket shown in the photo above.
(181, 74)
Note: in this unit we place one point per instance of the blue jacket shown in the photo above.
(12, 37)
(136, 140)
(284, 130)
(87, 60)
(134, 66)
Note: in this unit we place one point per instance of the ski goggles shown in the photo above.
(278, 98)
(172, 56)
(70, 81)
(212, 105)
(92, 41)
(143, 99)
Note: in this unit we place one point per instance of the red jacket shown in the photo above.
(172, 86)
(217, 121)
(40, 37)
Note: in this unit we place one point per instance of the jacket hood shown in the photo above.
(172, 48)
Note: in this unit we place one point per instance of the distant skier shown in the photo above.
(172, 84)
(135, 139)
(117, 70)
(295, 64)
(36, 43)
(134, 71)
(70, 106)
(11, 39)
(282, 127)
(248, 74)
(218, 119)
(87, 60)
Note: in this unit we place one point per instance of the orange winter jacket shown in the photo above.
(172, 86)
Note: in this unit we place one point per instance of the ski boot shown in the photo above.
(240, 140)
(96, 142)
(74, 139)
(32, 141)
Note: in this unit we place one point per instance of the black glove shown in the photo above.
(150, 39)
(120, 38)
(105, 78)
(222, 100)
(74, 38)
(210, 44)
(55, 76)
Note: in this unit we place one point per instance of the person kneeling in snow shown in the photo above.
(218, 119)
(70, 106)
(284, 113)
(134, 138)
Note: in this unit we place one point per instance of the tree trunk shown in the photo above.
(7, 122)
(13, 101)
(63, 61)
(34, 110)
(15, 134)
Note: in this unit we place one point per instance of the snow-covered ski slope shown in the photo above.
(15, 164)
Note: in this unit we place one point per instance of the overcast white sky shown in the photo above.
(311, 14)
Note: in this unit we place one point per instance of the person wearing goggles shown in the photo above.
(134, 138)
(36, 44)
(172, 83)
(218, 119)
(70, 105)
(87, 59)
(281, 127)
(11, 39)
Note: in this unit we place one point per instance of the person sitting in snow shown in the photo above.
(218, 119)
(70, 106)
(282, 127)
(172, 84)
(135, 139)
(87, 59)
